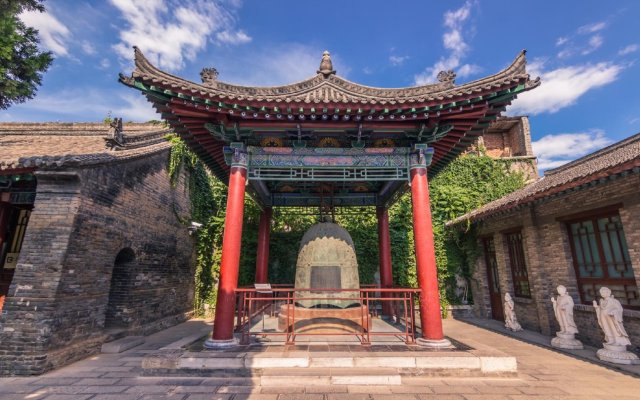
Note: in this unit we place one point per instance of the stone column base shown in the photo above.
(435, 344)
(213, 344)
(566, 341)
(617, 354)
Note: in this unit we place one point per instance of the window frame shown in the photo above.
(521, 262)
(593, 216)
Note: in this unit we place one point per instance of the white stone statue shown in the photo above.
(510, 320)
(563, 309)
(616, 339)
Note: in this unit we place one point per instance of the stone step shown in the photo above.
(435, 362)
(330, 376)
(120, 345)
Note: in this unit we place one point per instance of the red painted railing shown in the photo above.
(253, 303)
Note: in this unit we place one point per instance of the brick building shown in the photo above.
(509, 138)
(90, 244)
(577, 226)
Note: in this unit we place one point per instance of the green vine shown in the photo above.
(207, 197)
(466, 183)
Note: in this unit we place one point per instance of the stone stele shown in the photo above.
(327, 259)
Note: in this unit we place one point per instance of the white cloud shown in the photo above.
(54, 35)
(169, 31)
(632, 48)
(575, 43)
(591, 28)
(134, 107)
(367, 70)
(88, 48)
(398, 60)
(455, 44)
(93, 104)
(562, 87)
(594, 43)
(566, 53)
(105, 63)
(558, 149)
(228, 37)
(277, 65)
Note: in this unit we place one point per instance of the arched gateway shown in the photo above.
(328, 142)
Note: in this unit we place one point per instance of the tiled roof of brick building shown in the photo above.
(58, 145)
(619, 158)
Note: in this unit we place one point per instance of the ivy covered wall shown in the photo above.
(467, 183)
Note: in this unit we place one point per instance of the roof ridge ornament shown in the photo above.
(326, 66)
(209, 76)
(447, 76)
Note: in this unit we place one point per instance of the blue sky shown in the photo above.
(586, 53)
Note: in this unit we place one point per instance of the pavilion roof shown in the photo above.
(329, 89)
(212, 114)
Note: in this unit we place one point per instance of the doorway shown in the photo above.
(13, 225)
(121, 281)
(493, 281)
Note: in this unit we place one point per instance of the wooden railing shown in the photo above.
(253, 303)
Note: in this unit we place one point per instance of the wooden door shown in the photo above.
(5, 275)
(493, 281)
(13, 224)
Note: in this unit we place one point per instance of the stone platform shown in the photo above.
(330, 360)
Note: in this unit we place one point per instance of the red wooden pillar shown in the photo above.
(430, 317)
(384, 246)
(230, 263)
(262, 258)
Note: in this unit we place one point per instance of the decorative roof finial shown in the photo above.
(446, 76)
(209, 76)
(326, 66)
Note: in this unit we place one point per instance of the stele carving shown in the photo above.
(616, 339)
(563, 310)
(510, 320)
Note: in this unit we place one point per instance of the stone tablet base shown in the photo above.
(566, 341)
(617, 355)
(324, 320)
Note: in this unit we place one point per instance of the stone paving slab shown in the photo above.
(543, 374)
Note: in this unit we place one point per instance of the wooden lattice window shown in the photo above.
(518, 265)
(601, 258)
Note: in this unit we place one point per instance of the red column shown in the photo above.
(426, 258)
(384, 246)
(230, 264)
(262, 258)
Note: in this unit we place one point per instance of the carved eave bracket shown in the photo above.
(421, 156)
(235, 155)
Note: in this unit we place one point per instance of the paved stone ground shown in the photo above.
(543, 374)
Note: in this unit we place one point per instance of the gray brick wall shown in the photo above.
(56, 309)
(548, 255)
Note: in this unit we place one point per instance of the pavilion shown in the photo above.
(328, 142)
